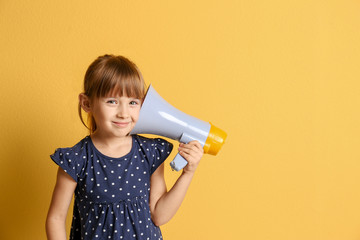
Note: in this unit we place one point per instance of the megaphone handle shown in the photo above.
(179, 162)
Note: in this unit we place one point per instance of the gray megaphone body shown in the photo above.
(160, 118)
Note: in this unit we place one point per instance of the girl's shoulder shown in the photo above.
(155, 150)
(146, 142)
(72, 159)
(78, 149)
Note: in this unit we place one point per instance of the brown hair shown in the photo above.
(111, 74)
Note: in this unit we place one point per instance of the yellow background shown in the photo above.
(280, 77)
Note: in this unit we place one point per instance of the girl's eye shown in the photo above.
(134, 102)
(112, 101)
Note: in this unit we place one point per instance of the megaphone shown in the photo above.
(160, 118)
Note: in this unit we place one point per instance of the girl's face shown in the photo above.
(114, 115)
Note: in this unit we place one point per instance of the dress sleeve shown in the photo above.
(72, 163)
(162, 150)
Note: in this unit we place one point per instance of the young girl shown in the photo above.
(117, 178)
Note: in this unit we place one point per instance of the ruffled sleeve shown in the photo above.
(70, 161)
(161, 151)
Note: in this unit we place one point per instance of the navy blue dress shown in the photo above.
(112, 194)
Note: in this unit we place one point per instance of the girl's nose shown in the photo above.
(123, 111)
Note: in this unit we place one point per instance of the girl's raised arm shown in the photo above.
(61, 199)
(164, 204)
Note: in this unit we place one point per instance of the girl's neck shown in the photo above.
(115, 147)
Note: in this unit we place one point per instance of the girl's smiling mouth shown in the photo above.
(121, 124)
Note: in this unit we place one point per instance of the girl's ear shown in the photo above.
(84, 102)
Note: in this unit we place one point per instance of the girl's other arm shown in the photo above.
(164, 204)
(61, 199)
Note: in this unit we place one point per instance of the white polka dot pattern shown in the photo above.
(112, 195)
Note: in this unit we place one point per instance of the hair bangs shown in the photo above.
(129, 86)
(121, 80)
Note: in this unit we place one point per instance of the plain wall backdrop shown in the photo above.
(281, 77)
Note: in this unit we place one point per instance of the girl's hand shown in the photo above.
(192, 152)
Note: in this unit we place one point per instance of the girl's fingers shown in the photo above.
(185, 155)
(192, 151)
(195, 145)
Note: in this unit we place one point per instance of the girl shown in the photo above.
(117, 178)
